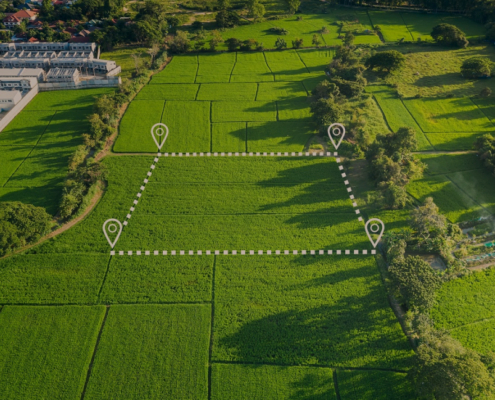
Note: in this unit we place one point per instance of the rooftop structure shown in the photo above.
(25, 83)
(63, 75)
(37, 73)
(9, 98)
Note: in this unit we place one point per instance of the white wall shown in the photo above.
(18, 108)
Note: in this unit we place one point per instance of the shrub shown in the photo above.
(326, 111)
(386, 60)
(180, 43)
(476, 67)
(248, 45)
(226, 19)
(324, 30)
(350, 88)
(279, 31)
(449, 35)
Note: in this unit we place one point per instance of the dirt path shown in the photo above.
(482, 266)
(94, 201)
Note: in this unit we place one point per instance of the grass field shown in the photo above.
(36, 145)
(239, 102)
(45, 351)
(123, 58)
(155, 352)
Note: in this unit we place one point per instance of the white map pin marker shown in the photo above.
(336, 133)
(159, 132)
(376, 227)
(112, 228)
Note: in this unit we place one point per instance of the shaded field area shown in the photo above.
(36, 145)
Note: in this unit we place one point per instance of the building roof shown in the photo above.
(80, 39)
(4, 72)
(65, 72)
(25, 14)
(9, 94)
(33, 40)
(11, 18)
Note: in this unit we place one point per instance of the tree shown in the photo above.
(394, 196)
(180, 43)
(215, 40)
(256, 9)
(326, 112)
(21, 224)
(47, 10)
(476, 67)
(223, 4)
(349, 39)
(293, 5)
(414, 280)
(350, 88)
(226, 19)
(280, 44)
(449, 35)
(427, 221)
(316, 40)
(485, 145)
(233, 44)
(137, 61)
(325, 90)
(297, 43)
(443, 369)
(153, 51)
(390, 60)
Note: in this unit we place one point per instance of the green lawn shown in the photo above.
(45, 352)
(123, 58)
(152, 352)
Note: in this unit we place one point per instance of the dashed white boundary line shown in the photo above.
(239, 252)
(244, 252)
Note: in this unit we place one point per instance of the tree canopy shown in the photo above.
(476, 67)
(21, 224)
(449, 35)
(390, 60)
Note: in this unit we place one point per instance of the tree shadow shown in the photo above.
(350, 332)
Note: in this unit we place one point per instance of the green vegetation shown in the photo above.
(21, 224)
(47, 348)
(144, 348)
(379, 385)
(271, 382)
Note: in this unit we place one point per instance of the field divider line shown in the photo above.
(240, 252)
(91, 363)
(336, 384)
(212, 318)
(251, 154)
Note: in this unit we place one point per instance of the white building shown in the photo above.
(23, 84)
(37, 73)
(63, 75)
(8, 99)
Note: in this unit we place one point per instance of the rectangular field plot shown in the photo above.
(26, 128)
(465, 301)
(392, 25)
(66, 126)
(478, 184)
(135, 127)
(396, 114)
(51, 278)
(280, 91)
(307, 311)
(294, 109)
(268, 382)
(448, 163)
(243, 111)
(12, 157)
(158, 279)
(376, 385)
(448, 115)
(45, 351)
(279, 136)
(228, 136)
(453, 141)
(227, 91)
(46, 165)
(168, 92)
(223, 78)
(454, 203)
(479, 336)
(152, 352)
(77, 101)
(181, 70)
(215, 68)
